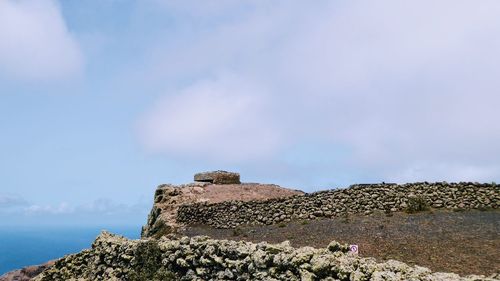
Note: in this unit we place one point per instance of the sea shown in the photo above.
(24, 246)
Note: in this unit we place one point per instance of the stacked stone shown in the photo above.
(357, 199)
(200, 258)
(218, 177)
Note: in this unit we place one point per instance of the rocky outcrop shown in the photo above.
(218, 177)
(26, 273)
(200, 258)
(168, 198)
(364, 199)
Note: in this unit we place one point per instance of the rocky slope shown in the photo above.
(26, 273)
(200, 258)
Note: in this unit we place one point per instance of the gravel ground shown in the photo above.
(460, 242)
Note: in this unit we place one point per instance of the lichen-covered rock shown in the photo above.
(200, 258)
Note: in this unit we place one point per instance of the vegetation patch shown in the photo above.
(417, 204)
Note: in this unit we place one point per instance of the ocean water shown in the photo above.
(20, 247)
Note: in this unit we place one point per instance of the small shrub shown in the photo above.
(388, 212)
(282, 224)
(417, 204)
(163, 231)
(484, 208)
(345, 218)
(237, 231)
(304, 222)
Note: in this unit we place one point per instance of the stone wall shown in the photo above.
(357, 199)
(167, 198)
(200, 258)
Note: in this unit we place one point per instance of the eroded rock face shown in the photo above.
(163, 216)
(200, 258)
(168, 198)
(218, 177)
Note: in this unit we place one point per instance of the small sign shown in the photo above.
(353, 249)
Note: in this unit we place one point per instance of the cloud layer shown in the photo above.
(102, 207)
(408, 90)
(220, 120)
(16, 209)
(35, 43)
(10, 201)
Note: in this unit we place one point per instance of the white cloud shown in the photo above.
(11, 201)
(17, 210)
(410, 89)
(108, 207)
(101, 207)
(15, 204)
(62, 208)
(445, 171)
(205, 9)
(408, 86)
(224, 119)
(35, 43)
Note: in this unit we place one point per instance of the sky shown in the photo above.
(101, 101)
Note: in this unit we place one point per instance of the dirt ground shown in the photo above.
(460, 242)
(215, 193)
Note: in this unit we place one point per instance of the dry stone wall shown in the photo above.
(163, 216)
(200, 258)
(356, 199)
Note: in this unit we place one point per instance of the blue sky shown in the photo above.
(101, 101)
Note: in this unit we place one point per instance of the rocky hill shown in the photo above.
(217, 200)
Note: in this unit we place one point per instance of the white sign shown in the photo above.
(353, 249)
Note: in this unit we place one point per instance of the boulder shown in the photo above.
(218, 177)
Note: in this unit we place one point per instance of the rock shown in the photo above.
(335, 246)
(218, 177)
(202, 258)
